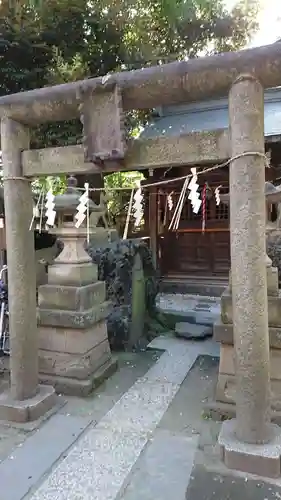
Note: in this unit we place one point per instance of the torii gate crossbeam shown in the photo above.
(166, 84)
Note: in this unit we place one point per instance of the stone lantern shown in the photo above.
(73, 266)
(74, 352)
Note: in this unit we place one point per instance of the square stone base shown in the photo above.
(29, 409)
(272, 281)
(274, 309)
(226, 385)
(81, 388)
(220, 412)
(262, 460)
(224, 334)
(72, 360)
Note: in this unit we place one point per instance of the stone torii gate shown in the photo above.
(250, 442)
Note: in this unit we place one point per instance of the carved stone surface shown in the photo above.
(103, 127)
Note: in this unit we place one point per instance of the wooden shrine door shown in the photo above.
(187, 251)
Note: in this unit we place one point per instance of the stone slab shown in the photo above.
(99, 463)
(226, 384)
(71, 298)
(38, 454)
(71, 340)
(174, 364)
(226, 390)
(262, 460)
(72, 274)
(220, 411)
(29, 409)
(224, 333)
(173, 316)
(272, 281)
(193, 331)
(112, 448)
(174, 346)
(79, 366)
(163, 469)
(192, 316)
(80, 388)
(207, 318)
(208, 485)
(227, 362)
(73, 319)
(274, 309)
(204, 306)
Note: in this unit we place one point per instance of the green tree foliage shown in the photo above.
(53, 41)
(24, 56)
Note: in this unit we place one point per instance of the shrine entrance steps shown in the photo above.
(190, 316)
(194, 285)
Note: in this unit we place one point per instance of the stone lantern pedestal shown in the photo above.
(74, 352)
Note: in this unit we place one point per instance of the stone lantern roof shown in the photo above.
(70, 199)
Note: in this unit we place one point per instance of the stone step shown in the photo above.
(194, 287)
(193, 331)
(197, 317)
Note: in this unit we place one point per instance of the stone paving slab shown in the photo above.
(131, 367)
(191, 331)
(189, 308)
(28, 463)
(195, 349)
(163, 470)
(97, 466)
(209, 485)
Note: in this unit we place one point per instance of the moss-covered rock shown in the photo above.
(115, 264)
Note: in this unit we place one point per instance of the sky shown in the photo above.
(269, 19)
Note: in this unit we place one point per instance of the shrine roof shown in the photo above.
(209, 115)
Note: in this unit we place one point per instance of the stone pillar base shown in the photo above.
(220, 411)
(75, 360)
(80, 388)
(262, 460)
(226, 384)
(29, 409)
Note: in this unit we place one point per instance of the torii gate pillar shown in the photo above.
(250, 443)
(25, 400)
